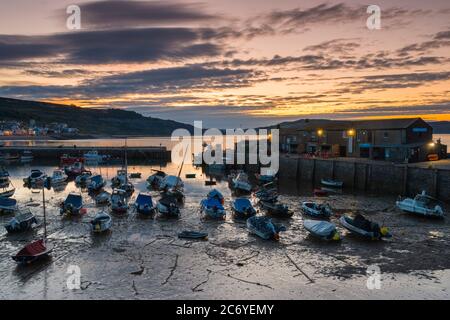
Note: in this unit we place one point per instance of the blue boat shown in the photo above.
(322, 229)
(243, 208)
(213, 208)
(264, 227)
(214, 193)
(21, 222)
(144, 204)
(72, 205)
(96, 184)
(102, 222)
(8, 205)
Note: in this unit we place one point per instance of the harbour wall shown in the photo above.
(387, 178)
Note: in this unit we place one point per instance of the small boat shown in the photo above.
(35, 178)
(264, 227)
(67, 160)
(364, 228)
(96, 184)
(423, 205)
(32, 252)
(241, 183)
(144, 204)
(213, 208)
(128, 187)
(214, 193)
(120, 179)
(320, 192)
(317, 210)
(11, 157)
(267, 195)
(8, 205)
(332, 183)
(75, 169)
(4, 178)
(276, 209)
(27, 156)
(102, 222)
(119, 203)
(59, 176)
(83, 179)
(168, 206)
(93, 157)
(7, 192)
(72, 205)
(266, 178)
(156, 179)
(23, 221)
(243, 208)
(322, 229)
(135, 175)
(170, 182)
(193, 235)
(103, 198)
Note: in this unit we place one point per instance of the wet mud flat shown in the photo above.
(144, 259)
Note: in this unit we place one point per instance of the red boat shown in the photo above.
(320, 193)
(67, 160)
(33, 252)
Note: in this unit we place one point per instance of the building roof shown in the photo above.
(383, 124)
(314, 124)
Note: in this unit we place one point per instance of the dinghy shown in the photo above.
(93, 156)
(144, 204)
(75, 169)
(96, 184)
(72, 205)
(322, 229)
(156, 179)
(243, 208)
(317, 210)
(214, 193)
(128, 187)
(193, 235)
(332, 183)
(213, 208)
(241, 183)
(23, 221)
(120, 179)
(83, 179)
(276, 209)
(35, 178)
(102, 222)
(7, 192)
(32, 252)
(8, 205)
(264, 227)
(168, 206)
(58, 177)
(119, 202)
(364, 228)
(103, 198)
(423, 205)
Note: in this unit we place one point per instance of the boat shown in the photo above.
(75, 169)
(67, 160)
(7, 192)
(243, 208)
(144, 204)
(241, 183)
(267, 195)
(423, 205)
(332, 183)
(266, 178)
(135, 175)
(59, 176)
(119, 203)
(93, 157)
(318, 192)
(213, 208)
(83, 179)
(193, 235)
(72, 205)
(276, 209)
(214, 193)
(8, 205)
(322, 229)
(364, 228)
(119, 179)
(264, 227)
(316, 210)
(34, 251)
(35, 178)
(11, 157)
(170, 182)
(96, 183)
(102, 222)
(103, 198)
(4, 178)
(27, 156)
(168, 206)
(23, 221)
(156, 179)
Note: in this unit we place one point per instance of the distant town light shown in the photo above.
(320, 132)
(431, 144)
(351, 133)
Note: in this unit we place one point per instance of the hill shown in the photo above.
(89, 120)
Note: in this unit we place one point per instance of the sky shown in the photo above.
(231, 63)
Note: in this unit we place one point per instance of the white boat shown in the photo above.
(241, 183)
(422, 204)
(156, 179)
(103, 198)
(93, 156)
(119, 203)
(171, 182)
(7, 193)
(332, 183)
(120, 179)
(316, 210)
(102, 222)
(36, 177)
(27, 156)
(59, 176)
(83, 179)
(23, 221)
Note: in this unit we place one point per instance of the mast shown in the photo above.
(45, 216)
(126, 161)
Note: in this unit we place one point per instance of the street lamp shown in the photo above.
(351, 133)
